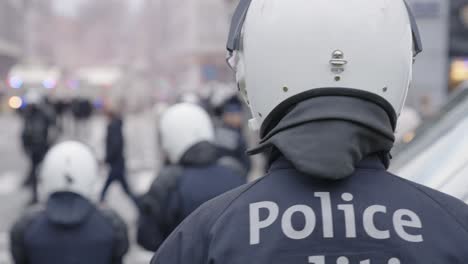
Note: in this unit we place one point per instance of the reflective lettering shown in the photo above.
(401, 223)
(327, 217)
(309, 226)
(349, 215)
(317, 259)
(369, 224)
(256, 224)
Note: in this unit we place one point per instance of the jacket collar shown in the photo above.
(373, 162)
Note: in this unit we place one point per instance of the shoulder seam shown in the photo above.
(434, 200)
(219, 216)
(235, 199)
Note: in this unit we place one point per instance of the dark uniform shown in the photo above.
(327, 199)
(69, 230)
(233, 148)
(35, 140)
(179, 190)
(115, 158)
(231, 140)
(289, 217)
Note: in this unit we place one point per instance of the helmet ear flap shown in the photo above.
(240, 79)
(254, 124)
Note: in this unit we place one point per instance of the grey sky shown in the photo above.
(68, 7)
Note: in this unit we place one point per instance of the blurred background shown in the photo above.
(140, 55)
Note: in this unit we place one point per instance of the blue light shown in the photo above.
(98, 104)
(15, 82)
(49, 84)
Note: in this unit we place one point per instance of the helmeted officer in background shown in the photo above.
(229, 128)
(325, 81)
(35, 137)
(82, 110)
(69, 228)
(193, 177)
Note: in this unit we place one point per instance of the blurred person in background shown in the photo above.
(193, 177)
(229, 130)
(69, 228)
(35, 136)
(61, 107)
(325, 82)
(82, 110)
(115, 154)
(54, 130)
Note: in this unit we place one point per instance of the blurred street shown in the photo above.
(13, 168)
(108, 75)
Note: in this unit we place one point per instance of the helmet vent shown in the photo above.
(338, 62)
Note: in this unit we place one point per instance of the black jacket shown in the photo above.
(35, 133)
(289, 217)
(179, 190)
(233, 148)
(69, 230)
(115, 143)
(327, 198)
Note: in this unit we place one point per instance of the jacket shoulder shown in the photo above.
(455, 208)
(161, 188)
(27, 218)
(120, 237)
(167, 179)
(18, 232)
(212, 210)
(190, 240)
(113, 218)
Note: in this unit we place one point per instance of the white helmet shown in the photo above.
(296, 49)
(191, 98)
(221, 94)
(181, 127)
(69, 166)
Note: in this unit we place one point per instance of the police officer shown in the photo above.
(35, 137)
(82, 110)
(69, 228)
(229, 114)
(325, 81)
(192, 178)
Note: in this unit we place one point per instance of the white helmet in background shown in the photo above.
(181, 127)
(221, 94)
(296, 49)
(69, 166)
(191, 98)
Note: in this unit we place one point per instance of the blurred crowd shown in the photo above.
(324, 113)
(202, 140)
